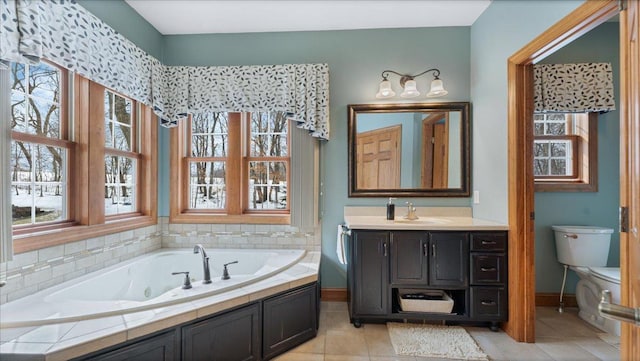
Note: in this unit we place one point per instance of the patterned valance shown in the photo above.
(573, 88)
(298, 89)
(64, 32)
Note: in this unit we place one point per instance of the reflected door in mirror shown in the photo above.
(435, 151)
(379, 159)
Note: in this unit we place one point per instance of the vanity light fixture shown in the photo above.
(409, 86)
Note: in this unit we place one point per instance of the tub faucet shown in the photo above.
(205, 262)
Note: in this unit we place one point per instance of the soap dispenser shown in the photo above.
(391, 210)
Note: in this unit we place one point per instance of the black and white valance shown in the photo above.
(298, 89)
(573, 88)
(64, 32)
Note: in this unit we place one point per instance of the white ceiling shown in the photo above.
(214, 16)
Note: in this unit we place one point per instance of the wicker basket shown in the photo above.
(441, 304)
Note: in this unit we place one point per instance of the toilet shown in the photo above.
(585, 250)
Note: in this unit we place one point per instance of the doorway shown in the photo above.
(521, 188)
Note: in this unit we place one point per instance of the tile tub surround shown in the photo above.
(33, 271)
(68, 340)
(239, 236)
(430, 218)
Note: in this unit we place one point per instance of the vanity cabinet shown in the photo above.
(368, 277)
(434, 259)
(469, 266)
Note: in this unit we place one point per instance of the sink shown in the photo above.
(423, 220)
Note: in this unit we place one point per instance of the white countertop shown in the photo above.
(429, 218)
(68, 340)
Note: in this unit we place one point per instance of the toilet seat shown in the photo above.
(609, 274)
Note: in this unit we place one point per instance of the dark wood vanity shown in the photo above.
(469, 266)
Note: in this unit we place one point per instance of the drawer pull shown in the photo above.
(488, 242)
(488, 303)
(490, 269)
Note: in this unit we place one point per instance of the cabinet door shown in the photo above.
(233, 336)
(288, 320)
(370, 265)
(157, 348)
(449, 261)
(409, 258)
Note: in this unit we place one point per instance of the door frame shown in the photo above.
(521, 324)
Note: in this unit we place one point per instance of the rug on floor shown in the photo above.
(452, 342)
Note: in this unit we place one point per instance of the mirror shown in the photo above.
(409, 150)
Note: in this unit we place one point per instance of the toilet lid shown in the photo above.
(611, 274)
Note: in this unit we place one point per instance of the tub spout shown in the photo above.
(205, 262)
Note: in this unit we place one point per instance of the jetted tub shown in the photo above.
(144, 283)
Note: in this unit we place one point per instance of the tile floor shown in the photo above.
(558, 337)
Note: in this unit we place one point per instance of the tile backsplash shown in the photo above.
(32, 271)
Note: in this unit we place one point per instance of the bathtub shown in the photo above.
(144, 283)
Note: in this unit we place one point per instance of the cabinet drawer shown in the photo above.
(487, 268)
(489, 303)
(488, 241)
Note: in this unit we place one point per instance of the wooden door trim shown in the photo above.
(521, 324)
(629, 165)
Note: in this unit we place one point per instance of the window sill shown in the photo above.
(193, 217)
(568, 186)
(34, 241)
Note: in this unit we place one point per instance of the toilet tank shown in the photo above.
(582, 245)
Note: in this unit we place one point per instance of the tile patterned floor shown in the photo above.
(558, 337)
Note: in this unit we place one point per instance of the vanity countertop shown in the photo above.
(429, 218)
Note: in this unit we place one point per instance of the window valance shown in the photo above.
(573, 88)
(64, 32)
(298, 89)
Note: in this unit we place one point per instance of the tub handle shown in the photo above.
(574, 236)
(225, 272)
(187, 280)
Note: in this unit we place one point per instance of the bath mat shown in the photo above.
(452, 342)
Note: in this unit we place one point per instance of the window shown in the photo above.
(120, 144)
(72, 179)
(565, 151)
(233, 168)
(39, 147)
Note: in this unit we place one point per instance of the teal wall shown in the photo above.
(503, 29)
(473, 61)
(356, 59)
(581, 208)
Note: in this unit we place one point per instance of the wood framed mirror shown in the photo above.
(409, 150)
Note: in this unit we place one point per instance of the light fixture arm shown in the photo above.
(406, 77)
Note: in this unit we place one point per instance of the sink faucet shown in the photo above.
(411, 212)
(205, 262)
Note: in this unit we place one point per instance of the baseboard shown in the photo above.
(553, 300)
(333, 294)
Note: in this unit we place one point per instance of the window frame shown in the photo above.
(236, 183)
(84, 99)
(585, 158)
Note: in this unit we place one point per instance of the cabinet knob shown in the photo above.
(488, 303)
(489, 269)
(384, 249)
